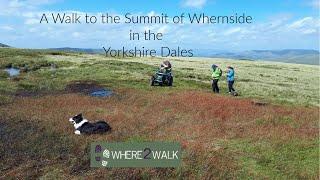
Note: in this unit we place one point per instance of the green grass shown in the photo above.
(276, 82)
(272, 81)
(265, 159)
(245, 158)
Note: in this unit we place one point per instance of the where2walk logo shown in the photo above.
(135, 154)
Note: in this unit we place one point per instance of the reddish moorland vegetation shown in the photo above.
(196, 119)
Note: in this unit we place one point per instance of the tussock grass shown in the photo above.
(277, 82)
(218, 141)
(269, 132)
(282, 83)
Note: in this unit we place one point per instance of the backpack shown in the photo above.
(220, 73)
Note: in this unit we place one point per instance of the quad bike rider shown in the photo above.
(164, 75)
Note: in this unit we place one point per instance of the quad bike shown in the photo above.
(162, 78)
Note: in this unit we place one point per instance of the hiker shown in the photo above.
(230, 79)
(165, 66)
(216, 74)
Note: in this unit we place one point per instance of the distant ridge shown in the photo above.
(3, 45)
(83, 50)
(300, 56)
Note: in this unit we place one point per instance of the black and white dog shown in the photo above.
(83, 126)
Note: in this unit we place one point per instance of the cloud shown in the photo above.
(15, 7)
(309, 31)
(306, 25)
(194, 3)
(40, 2)
(7, 28)
(281, 31)
(77, 34)
(301, 23)
(232, 31)
(31, 21)
(284, 33)
(314, 3)
(163, 29)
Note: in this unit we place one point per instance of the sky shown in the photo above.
(286, 24)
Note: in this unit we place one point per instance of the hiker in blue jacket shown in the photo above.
(230, 79)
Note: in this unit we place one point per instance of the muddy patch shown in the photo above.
(259, 103)
(90, 88)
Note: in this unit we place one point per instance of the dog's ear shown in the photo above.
(79, 115)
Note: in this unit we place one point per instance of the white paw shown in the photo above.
(77, 132)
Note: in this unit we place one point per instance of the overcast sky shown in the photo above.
(276, 24)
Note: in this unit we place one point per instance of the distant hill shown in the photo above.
(301, 56)
(3, 45)
(83, 50)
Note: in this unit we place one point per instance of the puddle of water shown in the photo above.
(12, 71)
(101, 93)
(53, 67)
(90, 88)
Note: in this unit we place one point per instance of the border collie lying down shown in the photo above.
(83, 126)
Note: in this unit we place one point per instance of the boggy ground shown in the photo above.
(269, 132)
(221, 136)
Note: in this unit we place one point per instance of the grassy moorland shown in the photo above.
(269, 132)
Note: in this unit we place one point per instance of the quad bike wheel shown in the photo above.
(152, 81)
(170, 81)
